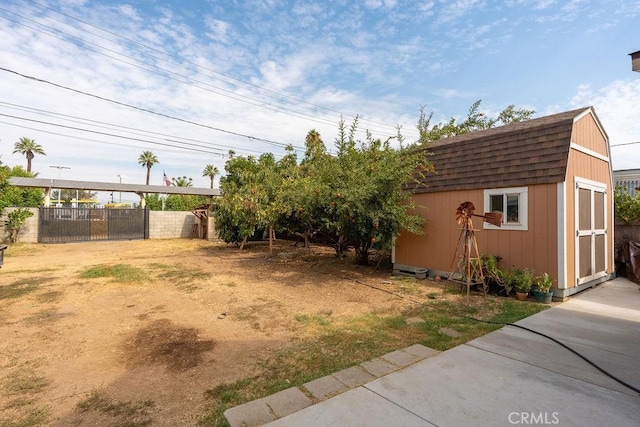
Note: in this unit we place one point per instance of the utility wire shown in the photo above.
(124, 104)
(105, 133)
(626, 143)
(135, 131)
(175, 147)
(274, 94)
(170, 74)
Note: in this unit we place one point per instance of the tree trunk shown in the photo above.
(243, 242)
(363, 256)
(270, 238)
(30, 156)
(148, 173)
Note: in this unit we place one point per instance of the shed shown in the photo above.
(551, 178)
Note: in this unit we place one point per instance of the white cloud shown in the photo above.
(618, 106)
(218, 30)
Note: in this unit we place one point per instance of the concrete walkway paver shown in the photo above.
(511, 376)
(261, 411)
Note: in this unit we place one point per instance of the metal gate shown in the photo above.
(59, 225)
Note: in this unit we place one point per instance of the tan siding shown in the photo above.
(536, 248)
(587, 134)
(587, 167)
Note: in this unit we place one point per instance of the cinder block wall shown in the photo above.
(170, 224)
(28, 233)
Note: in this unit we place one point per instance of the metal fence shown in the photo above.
(82, 224)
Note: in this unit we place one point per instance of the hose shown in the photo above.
(613, 377)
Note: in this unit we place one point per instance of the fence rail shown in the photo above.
(83, 224)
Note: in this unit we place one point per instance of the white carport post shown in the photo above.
(143, 202)
(47, 197)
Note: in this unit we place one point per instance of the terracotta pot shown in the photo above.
(522, 296)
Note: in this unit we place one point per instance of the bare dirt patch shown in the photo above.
(135, 332)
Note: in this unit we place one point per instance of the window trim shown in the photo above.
(523, 207)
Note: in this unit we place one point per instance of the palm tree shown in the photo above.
(182, 181)
(210, 171)
(29, 148)
(147, 159)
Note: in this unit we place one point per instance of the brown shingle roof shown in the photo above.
(535, 151)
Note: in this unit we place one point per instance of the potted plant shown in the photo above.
(494, 277)
(542, 290)
(522, 281)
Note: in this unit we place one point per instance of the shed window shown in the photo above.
(512, 203)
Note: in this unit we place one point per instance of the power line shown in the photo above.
(110, 142)
(112, 126)
(270, 93)
(105, 133)
(626, 143)
(124, 104)
(169, 74)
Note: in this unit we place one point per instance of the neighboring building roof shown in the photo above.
(531, 152)
(66, 184)
(629, 179)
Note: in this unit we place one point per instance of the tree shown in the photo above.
(250, 189)
(182, 181)
(18, 196)
(148, 159)
(474, 121)
(29, 148)
(210, 171)
(15, 221)
(626, 206)
(369, 205)
(153, 201)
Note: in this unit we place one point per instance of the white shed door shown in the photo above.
(591, 231)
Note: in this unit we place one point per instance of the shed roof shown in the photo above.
(531, 152)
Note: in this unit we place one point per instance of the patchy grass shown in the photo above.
(334, 345)
(35, 417)
(49, 296)
(130, 414)
(22, 287)
(21, 249)
(22, 382)
(25, 382)
(119, 273)
(48, 315)
(182, 276)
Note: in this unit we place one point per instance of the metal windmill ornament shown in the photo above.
(466, 266)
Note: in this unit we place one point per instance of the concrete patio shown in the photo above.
(508, 377)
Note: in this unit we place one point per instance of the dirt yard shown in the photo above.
(90, 329)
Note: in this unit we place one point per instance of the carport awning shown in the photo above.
(67, 184)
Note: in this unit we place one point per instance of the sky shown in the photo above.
(97, 82)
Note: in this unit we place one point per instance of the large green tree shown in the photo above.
(211, 172)
(369, 204)
(148, 159)
(250, 188)
(29, 148)
(353, 199)
(474, 120)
